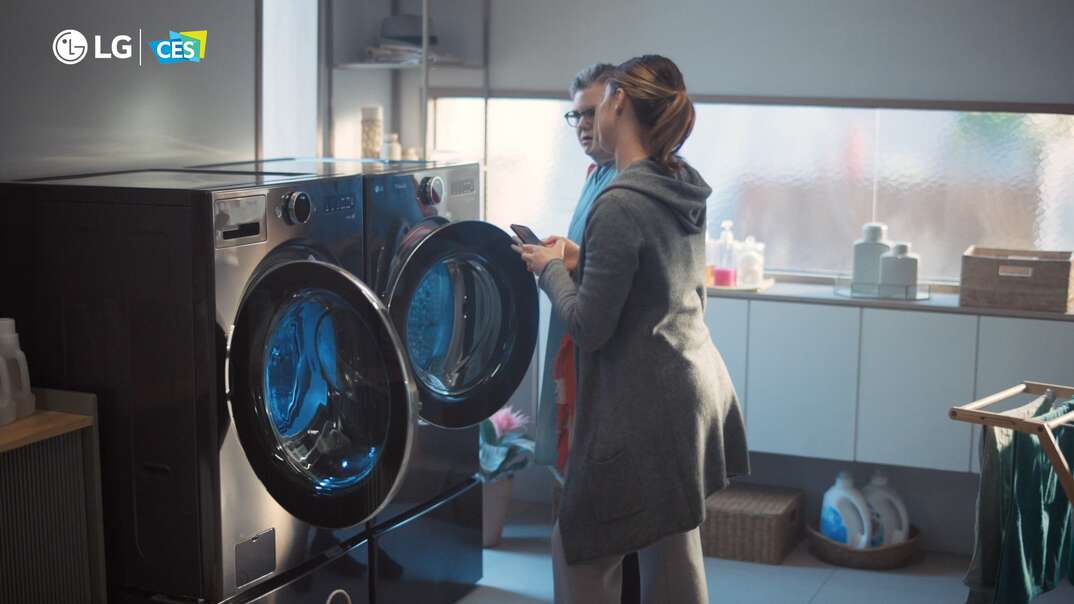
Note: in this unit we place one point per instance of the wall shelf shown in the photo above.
(370, 65)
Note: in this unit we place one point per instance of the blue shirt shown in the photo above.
(601, 177)
(546, 453)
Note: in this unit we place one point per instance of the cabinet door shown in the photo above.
(727, 320)
(1012, 351)
(802, 379)
(914, 367)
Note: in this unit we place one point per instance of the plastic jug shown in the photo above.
(750, 263)
(867, 253)
(891, 522)
(898, 272)
(844, 514)
(14, 375)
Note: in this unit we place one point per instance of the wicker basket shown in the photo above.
(878, 558)
(1017, 279)
(753, 523)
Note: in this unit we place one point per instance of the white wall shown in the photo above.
(289, 78)
(947, 50)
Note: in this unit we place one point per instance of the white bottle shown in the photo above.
(844, 514)
(15, 390)
(750, 263)
(898, 272)
(395, 150)
(891, 522)
(867, 253)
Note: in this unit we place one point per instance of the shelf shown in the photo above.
(42, 425)
(371, 65)
(376, 66)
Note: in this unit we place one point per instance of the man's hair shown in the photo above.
(597, 73)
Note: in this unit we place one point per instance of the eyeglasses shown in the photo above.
(575, 117)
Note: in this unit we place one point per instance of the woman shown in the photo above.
(658, 426)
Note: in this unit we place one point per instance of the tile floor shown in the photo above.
(519, 571)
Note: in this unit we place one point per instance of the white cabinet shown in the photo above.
(802, 379)
(727, 320)
(914, 367)
(1015, 350)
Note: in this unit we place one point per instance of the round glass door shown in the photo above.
(466, 309)
(321, 393)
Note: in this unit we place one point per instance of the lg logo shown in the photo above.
(70, 47)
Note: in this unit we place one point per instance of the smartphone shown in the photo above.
(526, 235)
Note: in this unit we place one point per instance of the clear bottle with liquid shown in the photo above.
(724, 271)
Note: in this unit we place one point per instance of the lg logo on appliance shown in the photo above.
(71, 47)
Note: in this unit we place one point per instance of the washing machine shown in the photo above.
(257, 407)
(467, 312)
(292, 358)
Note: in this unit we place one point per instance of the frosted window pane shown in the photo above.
(801, 179)
(952, 179)
(458, 129)
(797, 178)
(536, 168)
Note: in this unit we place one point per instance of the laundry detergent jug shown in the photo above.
(844, 514)
(891, 522)
(15, 394)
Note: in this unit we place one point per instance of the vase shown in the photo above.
(496, 499)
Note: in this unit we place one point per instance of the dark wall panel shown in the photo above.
(103, 114)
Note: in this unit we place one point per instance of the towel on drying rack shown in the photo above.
(1038, 549)
(993, 500)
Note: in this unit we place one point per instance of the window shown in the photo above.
(804, 179)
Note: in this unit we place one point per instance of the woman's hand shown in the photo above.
(537, 257)
(570, 251)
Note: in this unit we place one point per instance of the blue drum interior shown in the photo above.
(455, 334)
(327, 389)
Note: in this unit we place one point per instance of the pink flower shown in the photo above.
(508, 420)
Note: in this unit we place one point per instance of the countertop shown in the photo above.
(813, 293)
(42, 425)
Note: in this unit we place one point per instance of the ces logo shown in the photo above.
(71, 47)
(188, 46)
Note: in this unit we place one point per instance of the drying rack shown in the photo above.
(974, 413)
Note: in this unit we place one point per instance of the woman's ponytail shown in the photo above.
(657, 93)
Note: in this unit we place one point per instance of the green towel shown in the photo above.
(993, 501)
(1038, 534)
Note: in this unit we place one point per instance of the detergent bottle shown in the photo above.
(844, 514)
(891, 522)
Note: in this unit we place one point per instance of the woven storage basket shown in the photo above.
(751, 522)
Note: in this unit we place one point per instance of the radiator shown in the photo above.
(50, 533)
(44, 542)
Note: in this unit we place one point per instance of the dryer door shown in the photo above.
(321, 393)
(466, 309)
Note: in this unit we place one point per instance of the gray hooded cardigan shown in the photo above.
(658, 426)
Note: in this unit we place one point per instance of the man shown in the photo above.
(586, 92)
(553, 418)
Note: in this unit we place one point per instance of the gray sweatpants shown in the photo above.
(672, 572)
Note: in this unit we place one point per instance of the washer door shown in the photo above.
(321, 393)
(466, 309)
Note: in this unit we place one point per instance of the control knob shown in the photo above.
(431, 190)
(297, 208)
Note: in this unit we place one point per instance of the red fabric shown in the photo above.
(565, 386)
